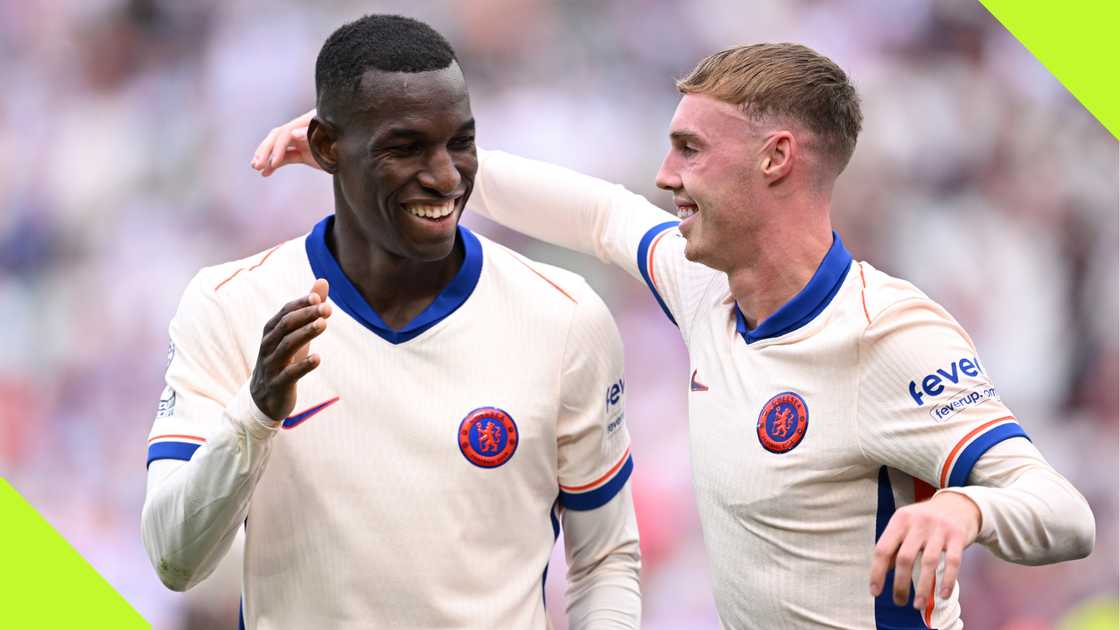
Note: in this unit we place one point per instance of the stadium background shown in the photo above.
(126, 130)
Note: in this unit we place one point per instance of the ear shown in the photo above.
(776, 157)
(322, 138)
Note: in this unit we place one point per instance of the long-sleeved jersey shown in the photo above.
(424, 476)
(857, 397)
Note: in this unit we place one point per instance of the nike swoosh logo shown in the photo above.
(294, 421)
(697, 386)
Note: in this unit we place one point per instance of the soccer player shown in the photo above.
(840, 419)
(407, 465)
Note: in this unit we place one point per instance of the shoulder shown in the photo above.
(553, 297)
(539, 286)
(899, 313)
(237, 284)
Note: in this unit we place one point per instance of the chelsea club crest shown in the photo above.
(783, 422)
(488, 437)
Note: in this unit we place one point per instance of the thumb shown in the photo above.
(321, 288)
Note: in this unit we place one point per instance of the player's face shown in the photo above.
(407, 160)
(709, 169)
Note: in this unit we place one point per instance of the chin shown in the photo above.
(698, 254)
(432, 251)
(693, 252)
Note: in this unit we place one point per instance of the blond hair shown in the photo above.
(785, 80)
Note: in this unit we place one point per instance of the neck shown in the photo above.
(779, 262)
(398, 289)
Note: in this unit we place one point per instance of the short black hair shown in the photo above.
(391, 43)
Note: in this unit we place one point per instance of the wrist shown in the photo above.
(244, 412)
(965, 507)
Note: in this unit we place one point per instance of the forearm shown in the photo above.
(562, 207)
(1030, 514)
(193, 509)
(604, 564)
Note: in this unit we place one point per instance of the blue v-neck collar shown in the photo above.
(350, 300)
(808, 303)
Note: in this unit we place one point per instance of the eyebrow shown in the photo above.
(685, 137)
(394, 133)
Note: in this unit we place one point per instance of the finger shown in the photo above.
(931, 554)
(954, 549)
(298, 370)
(263, 149)
(293, 342)
(294, 305)
(299, 155)
(318, 287)
(883, 555)
(290, 322)
(280, 146)
(321, 288)
(904, 565)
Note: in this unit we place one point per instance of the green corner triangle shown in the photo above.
(44, 583)
(1076, 42)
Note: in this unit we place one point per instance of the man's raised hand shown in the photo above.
(286, 144)
(284, 358)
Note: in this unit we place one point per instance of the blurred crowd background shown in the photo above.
(126, 129)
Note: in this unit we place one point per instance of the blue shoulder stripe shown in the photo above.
(963, 467)
(171, 450)
(643, 253)
(598, 497)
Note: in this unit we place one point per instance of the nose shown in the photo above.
(667, 176)
(440, 174)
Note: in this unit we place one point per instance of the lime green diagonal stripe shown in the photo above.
(1078, 43)
(44, 583)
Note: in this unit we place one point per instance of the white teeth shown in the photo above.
(685, 212)
(431, 211)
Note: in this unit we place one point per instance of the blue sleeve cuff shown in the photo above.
(599, 496)
(171, 450)
(968, 457)
(644, 262)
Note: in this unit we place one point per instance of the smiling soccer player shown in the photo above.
(846, 442)
(414, 470)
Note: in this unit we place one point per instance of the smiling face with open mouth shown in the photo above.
(709, 171)
(407, 160)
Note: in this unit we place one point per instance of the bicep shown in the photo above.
(926, 405)
(593, 445)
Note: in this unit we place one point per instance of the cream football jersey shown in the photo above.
(859, 396)
(421, 479)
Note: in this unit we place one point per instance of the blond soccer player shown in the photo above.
(847, 440)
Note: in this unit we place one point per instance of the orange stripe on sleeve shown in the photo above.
(948, 465)
(170, 436)
(610, 473)
(649, 257)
